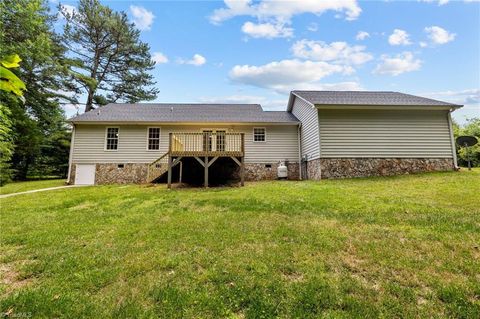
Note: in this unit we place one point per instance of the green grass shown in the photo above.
(382, 247)
(16, 187)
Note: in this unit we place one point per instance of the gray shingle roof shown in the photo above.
(184, 113)
(368, 98)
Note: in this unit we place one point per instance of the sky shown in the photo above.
(258, 51)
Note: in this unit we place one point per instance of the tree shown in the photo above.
(11, 84)
(472, 128)
(111, 63)
(26, 28)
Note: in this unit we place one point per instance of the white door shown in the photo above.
(85, 174)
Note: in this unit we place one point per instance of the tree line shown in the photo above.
(95, 58)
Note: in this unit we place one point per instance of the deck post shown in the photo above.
(206, 171)
(242, 171)
(170, 172)
(181, 172)
(242, 162)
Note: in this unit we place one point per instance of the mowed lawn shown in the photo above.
(18, 187)
(404, 246)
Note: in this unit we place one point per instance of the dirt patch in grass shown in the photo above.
(11, 279)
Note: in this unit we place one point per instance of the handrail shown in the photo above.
(207, 143)
(158, 159)
(155, 168)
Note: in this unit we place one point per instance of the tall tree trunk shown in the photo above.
(89, 104)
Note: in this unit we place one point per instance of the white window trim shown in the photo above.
(253, 134)
(105, 140)
(159, 138)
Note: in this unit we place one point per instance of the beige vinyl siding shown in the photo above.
(89, 147)
(384, 134)
(308, 115)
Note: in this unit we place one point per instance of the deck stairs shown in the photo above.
(157, 168)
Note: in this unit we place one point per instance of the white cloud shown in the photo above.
(283, 10)
(362, 35)
(279, 13)
(267, 30)
(159, 58)
(440, 2)
(66, 8)
(312, 27)
(142, 18)
(423, 44)
(398, 64)
(470, 98)
(285, 75)
(439, 35)
(197, 60)
(267, 104)
(399, 37)
(467, 97)
(337, 52)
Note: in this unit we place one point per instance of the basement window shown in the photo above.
(259, 134)
(121, 165)
(268, 165)
(111, 138)
(153, 138)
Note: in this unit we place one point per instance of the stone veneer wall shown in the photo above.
(71, 181)
(363, 167)
(137, 173)
(130, 173)
(258, 172)
(112, 174)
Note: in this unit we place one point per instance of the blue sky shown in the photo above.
(257, 51)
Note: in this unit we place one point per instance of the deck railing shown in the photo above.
(207, 144)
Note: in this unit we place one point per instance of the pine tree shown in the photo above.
(111, 62)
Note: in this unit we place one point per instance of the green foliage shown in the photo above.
(27, 30)
(471, 128)
(6, 145)
(9, 83)
(399, 247)
(110, 61)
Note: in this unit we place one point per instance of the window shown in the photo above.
(112, 138)
(259, 134)
(153, 138)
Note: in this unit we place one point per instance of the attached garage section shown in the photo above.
(85, 174)
(384, 134)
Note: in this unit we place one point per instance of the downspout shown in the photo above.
(452, 140)
(300, 168)
(71, 154)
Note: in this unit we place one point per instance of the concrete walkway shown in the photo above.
(41, 190)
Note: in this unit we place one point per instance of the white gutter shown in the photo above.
(452, 140)
(71, 154)
(300, 151)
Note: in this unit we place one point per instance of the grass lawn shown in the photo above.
(405, 246)
(17, 187)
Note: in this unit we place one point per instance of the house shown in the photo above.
(322, 134)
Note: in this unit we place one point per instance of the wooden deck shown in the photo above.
(206, 144)
(205, 147)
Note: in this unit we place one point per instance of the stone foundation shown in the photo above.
(313, 170)
(364, 167)
(137, 173)
(112, 174)
(259, 172)
(71, 181)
